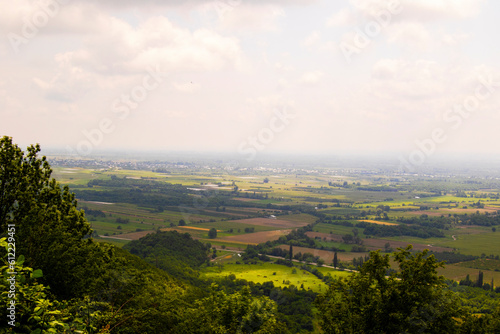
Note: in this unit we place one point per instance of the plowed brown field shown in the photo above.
(270, 222)
(256, 238)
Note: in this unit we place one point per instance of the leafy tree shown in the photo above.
(176, 253)
(212, 233)
(144, 299)
(50, 232)
(487, 323)
(335, 260)
(182, 222)
(236, 313)
(387, 247)
(480, 279)
(30, 308)
(412, 301)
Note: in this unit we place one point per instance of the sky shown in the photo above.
(417, 77)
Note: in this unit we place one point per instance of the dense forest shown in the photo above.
(57, 279)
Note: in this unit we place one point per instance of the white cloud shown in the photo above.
(176, 3)
(312, 39)
(283, 67)
(69, 84)
(398, 78)
(430, 10)
(262, 107)
(406, 11)
(418, 93)
(186, 87)
(251, 17)
(455, 39)
(158, 41)
(283, 83)
(412, 35)
(421, 10)
(122, 49)
(343, 17)
(416, 36)
(8, 104)
(312, 77)
(50, 17)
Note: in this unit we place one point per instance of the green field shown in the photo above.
(265, 272)
(116, 242)
(483, 264)
(477, 244)
(458, 272)
(481, 241)
(337, 229)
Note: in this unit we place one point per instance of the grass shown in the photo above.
(483, 264)
(265, 272)
(214, 242)
(457, 272)
(117, 242)
(110, 226)
(477, 244)
(302, 217)
(333, 272)
(337, 229)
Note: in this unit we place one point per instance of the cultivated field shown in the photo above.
(327, 256)
(257, 237)
(275, 223)
(378, 222)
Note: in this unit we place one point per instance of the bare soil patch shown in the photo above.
(257, 237)
(196, 228)
(270, 222)
(380, 244)
(328, 236)
(374, 244)
(225, 213)
(243, 199)
(327, 256)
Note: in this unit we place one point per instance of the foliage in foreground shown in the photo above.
(414, 300)
(50, 231)
(235, 313)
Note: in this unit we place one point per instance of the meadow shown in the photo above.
(280, 275)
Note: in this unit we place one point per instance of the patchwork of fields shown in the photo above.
(268, 206)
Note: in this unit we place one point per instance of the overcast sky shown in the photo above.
(252, 76)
